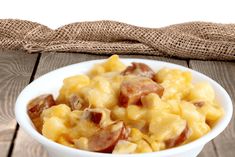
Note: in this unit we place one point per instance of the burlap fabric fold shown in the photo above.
(195, 40)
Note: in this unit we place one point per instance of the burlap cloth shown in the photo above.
(196, 40)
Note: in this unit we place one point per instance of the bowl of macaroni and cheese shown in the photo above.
(123, 107)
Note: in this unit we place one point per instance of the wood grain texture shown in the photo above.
(26, 146)
(52, 61)
(224, 74)
(6, 136)
(208, 151)
(15, 71)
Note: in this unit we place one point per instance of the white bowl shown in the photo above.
(52, 81)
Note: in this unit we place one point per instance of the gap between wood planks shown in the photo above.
(17, 125)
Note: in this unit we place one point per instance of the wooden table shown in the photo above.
(17, 69)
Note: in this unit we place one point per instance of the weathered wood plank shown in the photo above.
(6, 136)
(52, 61)
(223, 73)
(15, 71)
(208, 151)
(27, 147)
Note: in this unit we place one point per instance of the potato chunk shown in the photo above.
(135, 112)
(177, 83)
(112, 64)
(165, 126)
(99, 93)
(53, 128)
(202, 91)
(71, 86)
(124, 147)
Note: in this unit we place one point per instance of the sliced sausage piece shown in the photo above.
(100, 116)
(139, 69)
(40, 103)
(36, 106)
(106, 138)
(92, 115)
(179, 139)
(132, 89)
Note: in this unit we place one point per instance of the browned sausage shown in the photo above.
(133, 89)
(36, 106)
(139, 69)
(106, 138)
(179, 139)
(99, 116)
(96, 117)
(40, 103)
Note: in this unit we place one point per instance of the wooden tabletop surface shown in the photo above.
(17, 69)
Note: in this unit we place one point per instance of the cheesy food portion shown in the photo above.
(120, 109)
